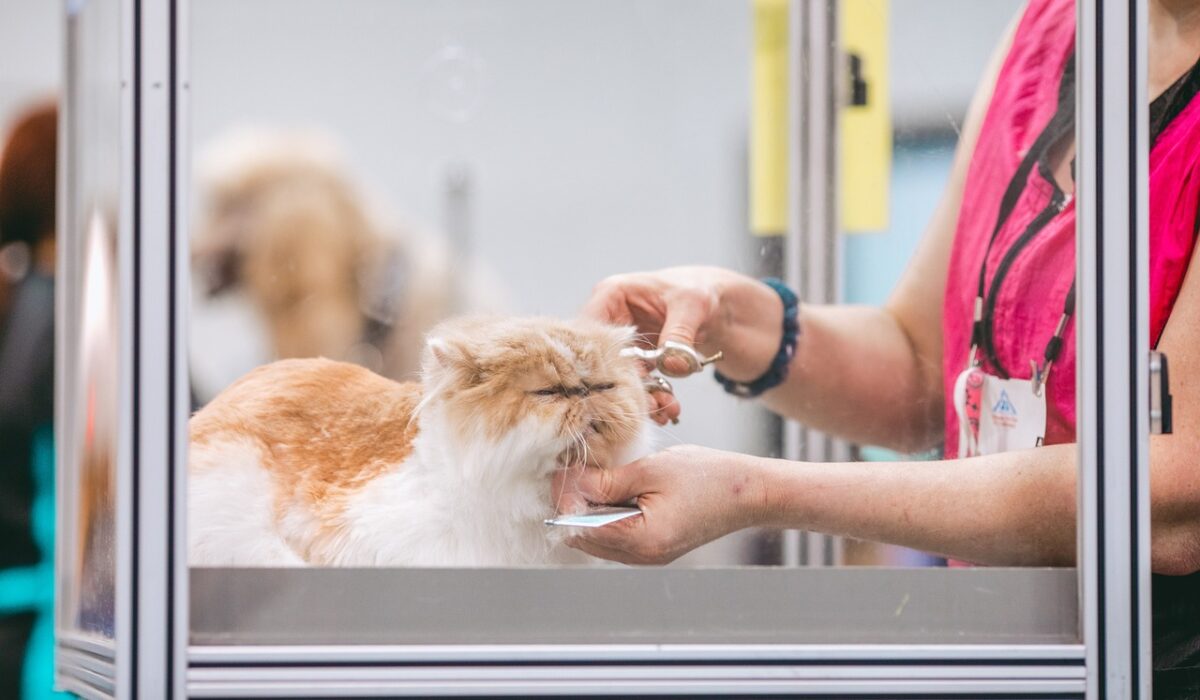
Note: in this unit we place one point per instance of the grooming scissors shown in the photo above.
(658, 357)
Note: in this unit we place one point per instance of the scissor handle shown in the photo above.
(692, 359)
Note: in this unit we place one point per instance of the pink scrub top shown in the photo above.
(1030, 299)
(1032, 294)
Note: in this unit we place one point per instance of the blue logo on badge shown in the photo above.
(1004, 406)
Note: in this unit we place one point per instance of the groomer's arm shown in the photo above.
(870, 375)
(1014, 508)
(1008, 509)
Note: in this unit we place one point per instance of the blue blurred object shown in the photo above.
(31, 588)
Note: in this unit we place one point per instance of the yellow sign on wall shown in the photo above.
(866, 130)
(769, 137)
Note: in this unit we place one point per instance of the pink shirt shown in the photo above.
(1030, 300)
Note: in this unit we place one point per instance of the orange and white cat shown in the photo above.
(315, 462)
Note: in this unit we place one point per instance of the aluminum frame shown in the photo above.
(812, 247)
(86, 664)
(152, 659)
(147, 659)
(1112, 134)
(160, 412)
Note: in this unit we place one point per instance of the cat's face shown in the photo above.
(561, 384)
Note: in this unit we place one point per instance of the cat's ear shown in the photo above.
(450, 357)
(442, 352)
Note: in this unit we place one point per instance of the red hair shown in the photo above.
(28, 177)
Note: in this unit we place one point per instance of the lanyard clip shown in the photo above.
(1039, 375)
(976, 332)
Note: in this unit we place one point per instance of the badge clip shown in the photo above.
(1038, 379)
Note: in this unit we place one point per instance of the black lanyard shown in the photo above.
(982, 336)
(1162, 111)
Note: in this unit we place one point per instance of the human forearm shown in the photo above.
(1013, 509)
(857, 375)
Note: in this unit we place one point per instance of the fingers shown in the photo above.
(687, 313)
(664, 407)
(603, 552)
(609, 303)
(610, 486)
(629, 541)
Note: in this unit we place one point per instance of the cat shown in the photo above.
(312, 462)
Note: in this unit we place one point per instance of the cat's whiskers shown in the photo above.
(581, 443)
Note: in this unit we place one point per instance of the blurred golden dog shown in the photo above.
(282, 221)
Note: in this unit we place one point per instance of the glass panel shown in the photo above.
(363, 174)
(92, 325)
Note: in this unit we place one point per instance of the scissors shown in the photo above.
(692, 360)
(658, 357)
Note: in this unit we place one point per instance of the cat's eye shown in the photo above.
(607, 386)
(550, 391)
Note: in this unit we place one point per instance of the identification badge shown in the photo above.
(997, 415)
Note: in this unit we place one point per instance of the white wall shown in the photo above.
(939, 48)
(30, 54)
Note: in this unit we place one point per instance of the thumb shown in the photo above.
(686, 315)
(611, 486)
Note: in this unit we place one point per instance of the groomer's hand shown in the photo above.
(709, 308)
(688, 495)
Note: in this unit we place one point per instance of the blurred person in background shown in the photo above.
(284, 226)
(28, 176)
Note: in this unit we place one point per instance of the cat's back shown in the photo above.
(274, 457)
(314, 415)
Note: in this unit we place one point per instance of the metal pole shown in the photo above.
(811, 250)
(1112, 229)
(159, 628)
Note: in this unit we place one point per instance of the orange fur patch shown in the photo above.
(325, 428)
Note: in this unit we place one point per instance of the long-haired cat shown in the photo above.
(315, 462)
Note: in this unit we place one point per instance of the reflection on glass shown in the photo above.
(92, 321)
(95, 413)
